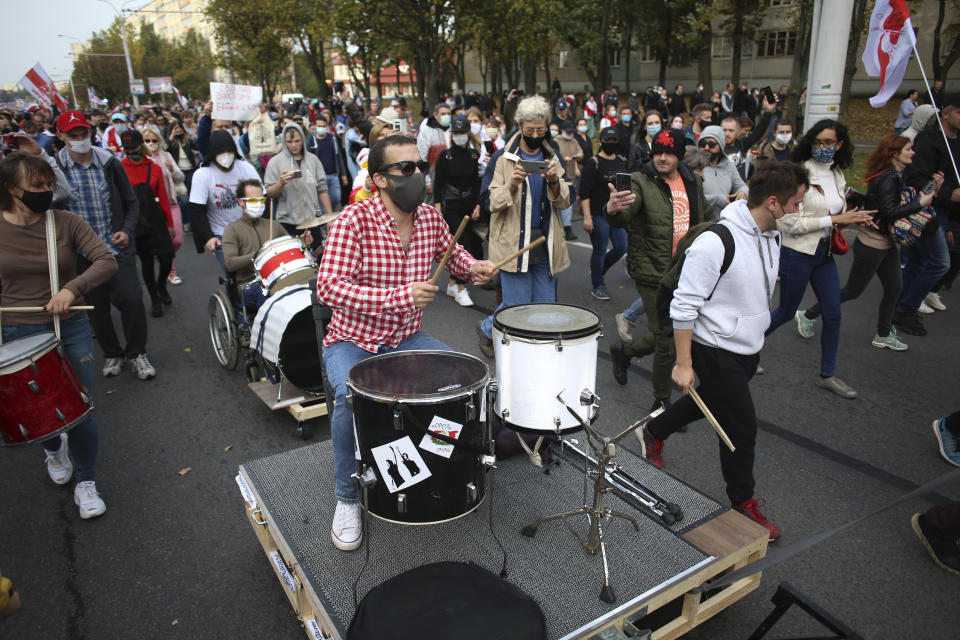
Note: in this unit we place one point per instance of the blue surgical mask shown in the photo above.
(321, 131)
(445, 121)
(654, 130)
(625, 117)
(823, 154)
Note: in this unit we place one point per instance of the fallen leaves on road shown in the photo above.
(111, 391)
(185, 471)
(187, 349)
(174, 623)
(227, 448)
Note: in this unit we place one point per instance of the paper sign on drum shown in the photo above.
(400, 464)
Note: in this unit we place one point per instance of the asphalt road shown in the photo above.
(174, 556)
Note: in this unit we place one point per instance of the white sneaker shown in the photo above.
(346, 531)
(142, 367)
(88, 499)
(452, 289)
(623, 328)
(925, 308)
(933, 299)
(463, 298)
(174, 279)
(112, 367)
(59, 467)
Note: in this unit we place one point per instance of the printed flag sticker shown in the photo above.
(445, 427)
(400, 464)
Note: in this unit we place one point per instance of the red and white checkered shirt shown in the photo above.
(365, 275)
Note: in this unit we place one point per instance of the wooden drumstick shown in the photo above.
(709, 416)
(35, 309)
(446, 254)
(535, 243)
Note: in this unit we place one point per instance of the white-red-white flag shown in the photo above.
(889, 45)
(183, 101)
(38, 83)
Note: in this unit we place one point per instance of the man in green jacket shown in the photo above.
(666, 199)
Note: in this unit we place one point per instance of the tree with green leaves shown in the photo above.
(743, 20)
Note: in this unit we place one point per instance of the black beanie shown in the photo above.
(220, 141)
(670, 141)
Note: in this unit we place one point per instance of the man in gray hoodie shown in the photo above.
(296, 180)
(719, 321)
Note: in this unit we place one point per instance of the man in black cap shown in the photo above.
(665, 200)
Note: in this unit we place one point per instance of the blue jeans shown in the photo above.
(536, 285)
(77, 341)
(796, 270)
(926, 262)
(333, 190)
(338, 359)
(635, 310)
(601, 260)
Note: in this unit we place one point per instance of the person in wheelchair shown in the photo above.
(243, 238)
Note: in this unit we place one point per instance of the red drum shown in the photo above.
(40, 394)
(283, 262)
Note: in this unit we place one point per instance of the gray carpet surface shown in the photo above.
(297, 488)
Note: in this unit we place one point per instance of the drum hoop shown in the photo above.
(423, 524)
(53, 434)
(425, 398)
(27, 359)
(548, 336)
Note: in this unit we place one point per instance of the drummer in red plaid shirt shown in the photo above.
(374, 275)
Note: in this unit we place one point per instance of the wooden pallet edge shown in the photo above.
(309, 605)
(314, 408)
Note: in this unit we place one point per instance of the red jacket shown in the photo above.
(137, 173)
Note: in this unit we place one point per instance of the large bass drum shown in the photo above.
(543, 350)
(285, 336)
(396, 397)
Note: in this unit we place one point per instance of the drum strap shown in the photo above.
(52, 265)
(414, 422)
(533, 453)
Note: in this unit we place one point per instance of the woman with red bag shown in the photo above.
(807, 255)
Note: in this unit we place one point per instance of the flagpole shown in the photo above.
(946, 142)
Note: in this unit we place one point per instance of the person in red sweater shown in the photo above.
(154, 232)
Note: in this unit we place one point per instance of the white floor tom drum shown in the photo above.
(542, 350)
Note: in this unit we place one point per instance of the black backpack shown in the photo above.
(151, 231)
(671, 277)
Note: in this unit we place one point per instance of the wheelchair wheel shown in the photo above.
(223, 330)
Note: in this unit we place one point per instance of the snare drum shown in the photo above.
(283, 262)
(285, 336)
(40, 394)
(543, 350)
(396, 397)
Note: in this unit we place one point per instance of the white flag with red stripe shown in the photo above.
(38, 83)
(889, 45)
(180, 98)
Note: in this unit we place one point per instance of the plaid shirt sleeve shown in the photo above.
(460, 259)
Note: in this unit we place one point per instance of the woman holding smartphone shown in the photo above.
(806, 256)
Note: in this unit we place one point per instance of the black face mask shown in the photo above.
(609, 147)
(135, 156)
(534, 142)
(407, 192)
(36, 201)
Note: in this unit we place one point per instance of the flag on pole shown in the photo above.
(180, 98)
(889, 45)
(94, 99)
(38, 83)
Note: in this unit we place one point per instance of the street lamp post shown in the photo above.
(126, 51)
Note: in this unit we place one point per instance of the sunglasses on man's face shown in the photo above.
(259, 200)
(407, 167)
(708, 144)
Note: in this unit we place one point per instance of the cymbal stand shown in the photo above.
(604, 449)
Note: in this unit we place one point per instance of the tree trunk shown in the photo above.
(705, 61)
(530, 74)
(940, 69)
(737, 44)
(856, 29)
(379, 84)
(546, 67)
(801, 58)
(603, 65)
(629, 48)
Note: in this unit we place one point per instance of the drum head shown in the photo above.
(547, 321)
(20, 349)
(424, 376)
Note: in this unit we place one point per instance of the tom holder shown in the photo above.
(604, 449)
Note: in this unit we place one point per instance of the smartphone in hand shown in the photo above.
(623, 182)
(534, 166)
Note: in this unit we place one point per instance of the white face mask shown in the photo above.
(476, 128)
(254, 210)
(225, 159)
(568, 136)
(151, 146)
(460, 139)
(582, 129)
(784, 138)
(80, 146)
(493, 133)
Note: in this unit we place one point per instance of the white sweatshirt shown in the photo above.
(738, 313)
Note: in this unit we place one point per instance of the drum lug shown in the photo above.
(588, 397)
(84, 398)
(366, 479)
(488, 461)
(397, 420)
(556, 422)
(471, 491)
(559, 346)
(505, 340)
(34, 386)
(23, 432)
(60, 416)
(505, 414)
(348, 402)
(401, 503)
(34, 368)
(471, 410)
